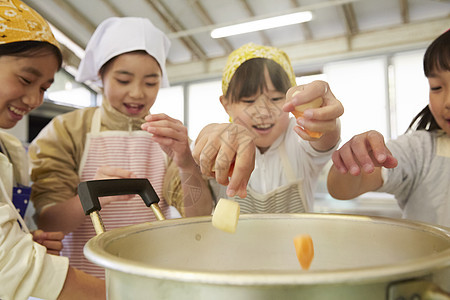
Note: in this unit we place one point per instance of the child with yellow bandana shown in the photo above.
(29, 59)
(259, 91)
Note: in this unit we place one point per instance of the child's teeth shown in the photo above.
(263, 126)
(17, 111)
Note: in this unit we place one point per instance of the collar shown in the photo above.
(115, 120)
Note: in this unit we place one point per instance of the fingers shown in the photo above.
(363, 152)
(243, 168)
(306, 93)
(51, 240)
(224, 147)
(53, 246)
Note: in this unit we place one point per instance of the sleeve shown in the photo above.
(24, 265)
(413, 152)
(55, 156)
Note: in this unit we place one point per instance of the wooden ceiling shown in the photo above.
(340, 28)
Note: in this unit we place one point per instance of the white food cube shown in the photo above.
(226, 215)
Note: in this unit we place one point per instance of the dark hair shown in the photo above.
(436, 58)
(105, 66)
(249, 78)
(30, 48)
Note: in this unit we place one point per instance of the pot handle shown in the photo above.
(89, 191)
(416, 289)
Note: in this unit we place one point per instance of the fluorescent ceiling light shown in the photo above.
(262, 24)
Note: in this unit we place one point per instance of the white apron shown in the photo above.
(288, 198)
(130, 150)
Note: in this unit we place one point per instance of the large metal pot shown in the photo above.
(356, 257)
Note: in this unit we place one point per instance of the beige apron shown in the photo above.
(130, 150)
(288, 198)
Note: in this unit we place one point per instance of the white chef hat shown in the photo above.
(115, 36)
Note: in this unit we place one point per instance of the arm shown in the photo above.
(357, 166)
(324, 119)
(55, 155)
(30, 271)
(224, 151)
(50, 240)
(79, 285)
(68, 215)
(172, 136)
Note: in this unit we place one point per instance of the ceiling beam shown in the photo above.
(350, 19)
(312, 7)
(172, 23)
(404, 10)
(315, 53)
(113, 8)
(201, 12)
(306, 29)
(251, 12)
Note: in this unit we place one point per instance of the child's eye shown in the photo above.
(24, 80)
(277, 98)
(150, 84)
(122, 81)
(435, 88)
(248, 101)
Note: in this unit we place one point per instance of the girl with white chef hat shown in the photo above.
(29, 59)
(126, 57)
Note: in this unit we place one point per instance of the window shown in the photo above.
(204, 106)
(361, 87)
(410, 89)
(171, 102)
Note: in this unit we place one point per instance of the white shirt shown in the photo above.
(421, 181)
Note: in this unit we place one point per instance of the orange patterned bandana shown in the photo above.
(19, 22)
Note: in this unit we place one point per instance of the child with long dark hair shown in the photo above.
(416, 166)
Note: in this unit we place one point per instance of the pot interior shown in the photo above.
(265, 243)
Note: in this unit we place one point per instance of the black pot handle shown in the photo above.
(89, 191)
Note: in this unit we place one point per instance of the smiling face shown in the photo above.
(439, 82)
(131, 83)
(261, 113)
(23, 83)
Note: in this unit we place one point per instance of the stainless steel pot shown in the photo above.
(356, 257)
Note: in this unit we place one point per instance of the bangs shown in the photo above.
(437, 56)
(249, 80)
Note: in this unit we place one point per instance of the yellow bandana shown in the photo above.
(249, 51)
(19, 22)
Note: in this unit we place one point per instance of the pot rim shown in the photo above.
(94, 251)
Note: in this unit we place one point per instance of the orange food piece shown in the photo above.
(304, 249)
(298, 112)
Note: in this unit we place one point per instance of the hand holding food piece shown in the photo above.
(226, 215)
(305, 250)
(299, 109)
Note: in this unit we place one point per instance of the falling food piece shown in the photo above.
(299, 109)
(305, 250)
(226, 215)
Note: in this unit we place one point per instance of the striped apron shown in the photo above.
(130, 150)
(288, 198)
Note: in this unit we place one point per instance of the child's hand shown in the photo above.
(364, 151)
(226, 150)
(172, 136)
(107, 172)
(51, 240)
(323, 119)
